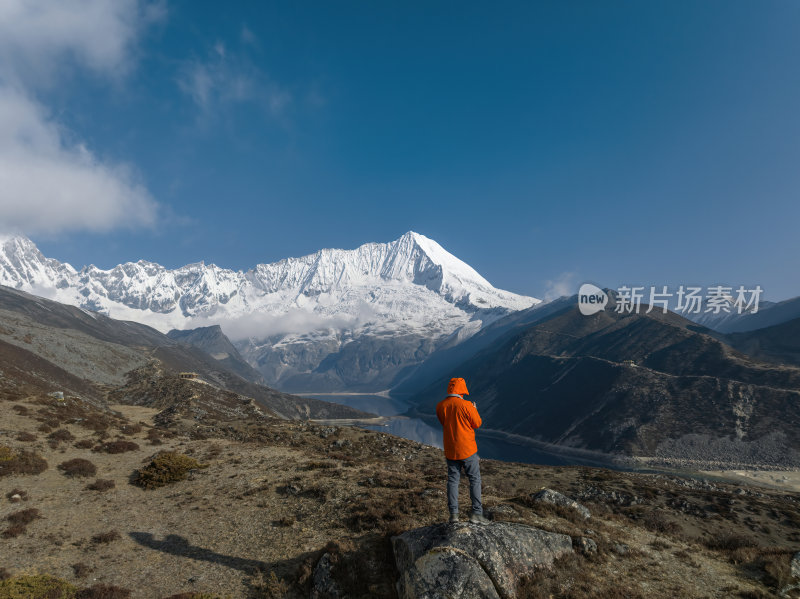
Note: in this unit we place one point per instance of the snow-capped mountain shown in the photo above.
(334, 319)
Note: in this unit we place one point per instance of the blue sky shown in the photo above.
(544, 143)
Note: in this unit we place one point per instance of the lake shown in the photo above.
(427, 430)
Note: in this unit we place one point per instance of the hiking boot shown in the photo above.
(453, 517)
(477, 518)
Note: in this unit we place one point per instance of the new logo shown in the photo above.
(591, 299)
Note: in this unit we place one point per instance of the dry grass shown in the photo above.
(572, 578)
(269, 586)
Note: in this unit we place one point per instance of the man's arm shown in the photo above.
(474, 418)
(440, 414)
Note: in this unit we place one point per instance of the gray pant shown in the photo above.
(473, 471)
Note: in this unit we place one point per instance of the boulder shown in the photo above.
(323, 586)
(556, 498)
(472, 561)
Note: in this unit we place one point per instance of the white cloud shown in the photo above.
(261, 326)
(38, 36)
(297, 321)
(48, 184)
(226, 78)
(562, 285)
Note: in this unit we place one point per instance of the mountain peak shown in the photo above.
(412, 280)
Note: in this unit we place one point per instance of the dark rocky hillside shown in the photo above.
(686, 396)
(213, 341)
(53, 347)
(779, 343)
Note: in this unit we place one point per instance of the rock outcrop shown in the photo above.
(556, 498)
(472, 561)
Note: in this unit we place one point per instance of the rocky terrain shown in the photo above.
(268, 507)
(653, 386)
(49, 346)
(778, 343)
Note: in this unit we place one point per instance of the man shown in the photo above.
(459, 419)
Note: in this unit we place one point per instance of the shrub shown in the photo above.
(85, 444)
(101, 484)
(6, 453)
(103, 591)
(21, 462)
(193, 596)
(22, 494)
(14, 531)
(130, 429)
(656, 522)
(61, 434)
(728, 542)
(37, 586)
(106, 537)
(21, 410)
(165, 468)
(81, 570)
(269, 585)
(117, 447)
(26, 437)
(78, 467)
(24, 516)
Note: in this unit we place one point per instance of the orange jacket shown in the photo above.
(459, 420)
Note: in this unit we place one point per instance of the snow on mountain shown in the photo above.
(393, 281)
(410, 288)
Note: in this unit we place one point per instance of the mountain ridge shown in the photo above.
(308, 323)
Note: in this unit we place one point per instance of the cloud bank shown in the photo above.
(297, 321)
(47, 183)
(563, 285)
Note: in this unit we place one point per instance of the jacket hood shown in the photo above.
(457, 386)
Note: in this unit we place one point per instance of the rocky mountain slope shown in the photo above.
(54, 347)
(648, 385)
(215, 343)
(779, 343)
(768, 314)
(333, 319)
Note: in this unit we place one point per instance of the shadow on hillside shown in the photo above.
(177, 545)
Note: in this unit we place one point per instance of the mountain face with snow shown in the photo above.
(331, 321)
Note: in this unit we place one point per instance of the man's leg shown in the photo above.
(453, 478)
(473, 471)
